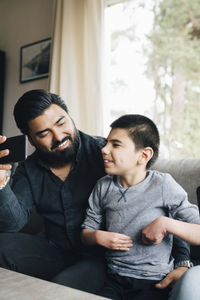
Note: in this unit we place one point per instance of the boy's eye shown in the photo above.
(116, 145)
(61, 123)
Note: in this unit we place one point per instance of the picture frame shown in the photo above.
(35, 60)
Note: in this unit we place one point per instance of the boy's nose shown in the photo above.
(105, 150)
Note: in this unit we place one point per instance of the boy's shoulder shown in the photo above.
(167, 181)
(97, 141)
(160, 175)
(153, 176)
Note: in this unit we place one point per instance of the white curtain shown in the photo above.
(76, 67)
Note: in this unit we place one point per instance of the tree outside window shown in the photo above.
(153, 68)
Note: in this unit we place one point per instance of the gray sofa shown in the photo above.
(185, 171)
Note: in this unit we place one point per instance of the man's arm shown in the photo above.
(154, 233)
(171, 278)
(181, 253)
(14, 211)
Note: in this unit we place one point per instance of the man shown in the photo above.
(57, 179)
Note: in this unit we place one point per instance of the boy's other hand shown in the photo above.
(155, 231)
(114, 240)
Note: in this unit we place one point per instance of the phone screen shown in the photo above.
(17, 146)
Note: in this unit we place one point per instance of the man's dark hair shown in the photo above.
(32, 104)
(142, 130)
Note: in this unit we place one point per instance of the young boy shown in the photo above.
(125, 201)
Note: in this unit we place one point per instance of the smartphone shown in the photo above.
(17, 146)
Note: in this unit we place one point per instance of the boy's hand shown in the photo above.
(113, 240)
(155, 231)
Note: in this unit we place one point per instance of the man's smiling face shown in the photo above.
(54, 135)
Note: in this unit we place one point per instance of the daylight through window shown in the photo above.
(153, 68)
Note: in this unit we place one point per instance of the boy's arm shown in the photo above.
(155, 231)
(110, 240)
(91, 228)
(175, 200)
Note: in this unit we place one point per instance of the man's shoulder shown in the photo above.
(96, 141)
(89, 155)
(30, 164)
(106, 181)
(27, 168)
(32, 158)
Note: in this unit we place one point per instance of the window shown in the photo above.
(153, 68)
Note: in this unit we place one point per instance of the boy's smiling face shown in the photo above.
(119, 154)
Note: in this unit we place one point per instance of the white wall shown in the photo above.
(21, 22)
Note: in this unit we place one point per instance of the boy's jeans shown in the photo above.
(121, 287)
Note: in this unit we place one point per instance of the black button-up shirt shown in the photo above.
(61, 204)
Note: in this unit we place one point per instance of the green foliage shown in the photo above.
(175, 54)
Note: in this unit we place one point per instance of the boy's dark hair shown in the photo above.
(143, 131)
(32, 104)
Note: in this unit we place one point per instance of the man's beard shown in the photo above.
(60, 158)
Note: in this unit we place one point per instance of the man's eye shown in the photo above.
(116, 145)
(42, 135)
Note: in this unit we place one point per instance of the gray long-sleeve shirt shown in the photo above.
(128, 211)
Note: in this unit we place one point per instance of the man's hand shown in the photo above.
(171, 278)
(155, 231)
(3, 167)
(113, 240)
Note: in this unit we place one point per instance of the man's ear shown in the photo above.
(146, 155)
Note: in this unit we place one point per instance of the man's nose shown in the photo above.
(57, 136)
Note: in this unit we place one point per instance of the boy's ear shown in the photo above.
(146, 155)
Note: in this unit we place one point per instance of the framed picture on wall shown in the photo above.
(34, 60)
